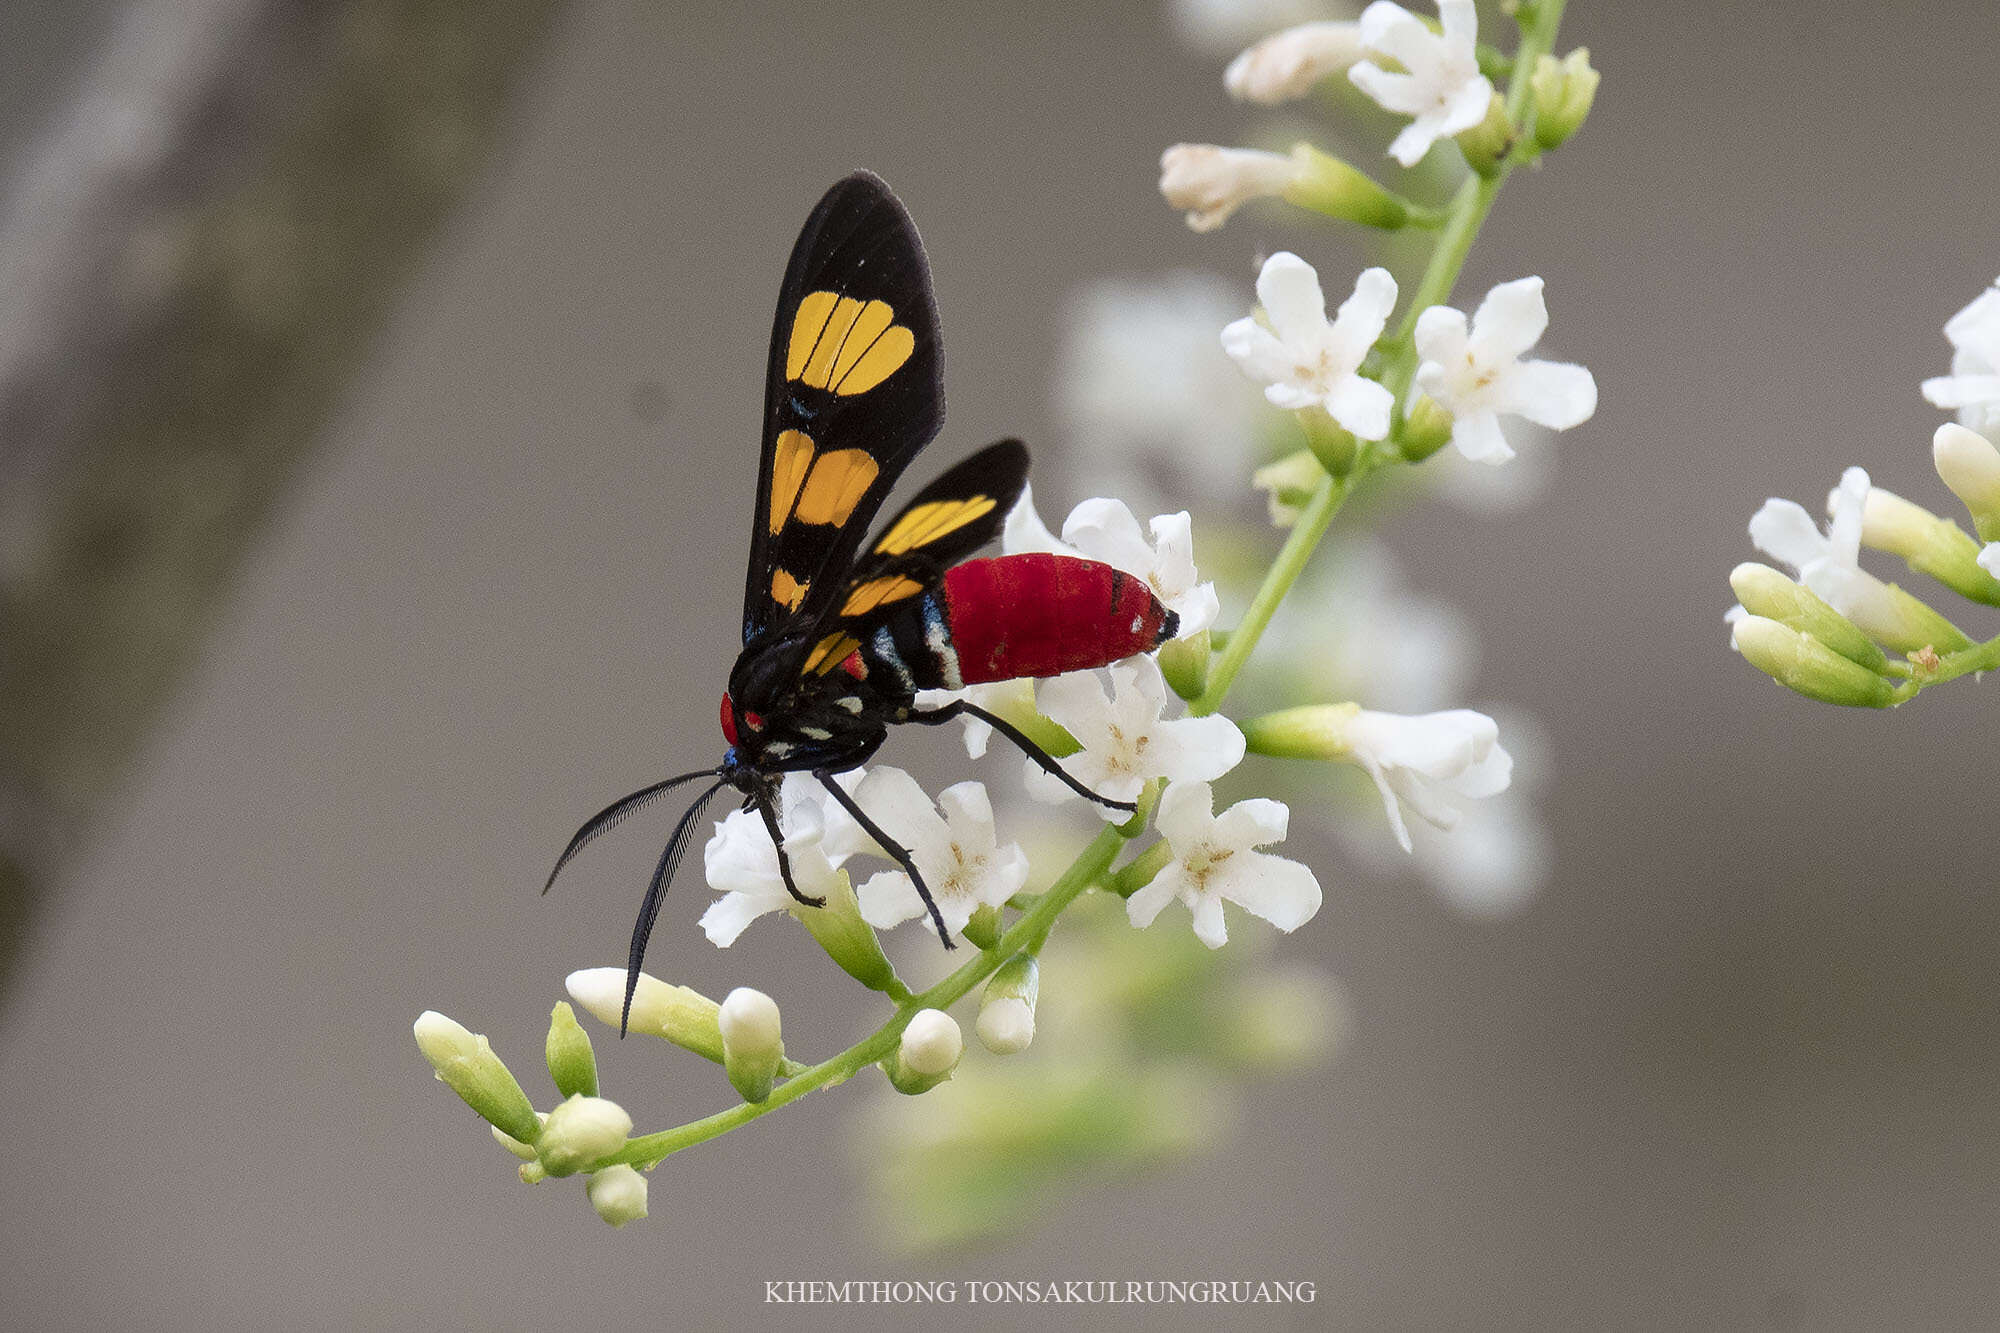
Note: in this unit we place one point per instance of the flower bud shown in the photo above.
(1007, 1007)
(618, 1193)
(1904, 624)
(1288, 484)
(1802, 663)
(684, 1017)
(1426, 429)
(752, 1045)
(1564, 90)
(1968, 463)
(1325, 184)
(1211, 182)
(1310, 731)
(1766, 592)
(524, 1151)
(1488, 142)
(532, 1173)
(467, 1065)
(847, 939)
(1331, 443)
(1287, 64)
(1184, 663)
(580, 1132)
(928, 1052)
(1928, 544)
(983, 927)
(572, 1064)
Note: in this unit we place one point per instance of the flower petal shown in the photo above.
(1478, 436)
(1441, 334)
(1288, 289)
(1362, 406)
(1784, 531)
(1281, 891)
(1253, 823)
(1511, 319)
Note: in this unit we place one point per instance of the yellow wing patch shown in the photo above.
(926, 523)
(835, 485)
(830, 652)
(867, 596)
(787, 591)
(822, 488)
(845, 345)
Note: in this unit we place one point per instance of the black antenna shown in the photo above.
(611, 816)
(649, 910)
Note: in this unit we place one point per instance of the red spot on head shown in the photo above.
(728, 718)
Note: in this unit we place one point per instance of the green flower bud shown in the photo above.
(927, 1053)
(1184, 662)
(1802, 663)
(1310, 731)
(847, 939)
(1328, 185)
(1331, 443)
(1904, 624)
(532, 1173)
(572, 1064)
(752, 1044)
(1486, 144)
(1969, 464)
(467, 1065)
(1426, 429)
(1288, 484)
(1928, 544)
(1006, 1023)
(1766, 592)
(684, 1017)
(618, 1193)
(983, 926)
(581, 1132)
(1564, 90)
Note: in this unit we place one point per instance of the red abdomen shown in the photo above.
(1042, 615)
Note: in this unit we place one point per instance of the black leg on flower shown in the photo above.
(1046, 761)
(894, 850)
(763, 804)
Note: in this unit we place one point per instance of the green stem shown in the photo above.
(1979, 657)
(650, 1149)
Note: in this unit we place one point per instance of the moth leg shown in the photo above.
(1045, 760)
(784, 861)
(894, 850)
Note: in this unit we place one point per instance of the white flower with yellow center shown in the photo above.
(958, 852)
(1480, 374)
(1214, 860)
(1439, 84)
(1303, 360)
(1126, 740)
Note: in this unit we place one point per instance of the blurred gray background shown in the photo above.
(1733, 1068)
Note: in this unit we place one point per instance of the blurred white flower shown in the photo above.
(1421, 762)
(1225, 25)
(1146, 390)
(1105, 530)
(1214, 859)
(1478, 375)
(742, 863)
(1440, 83)
(1287, 64)
(1829, 563)
(1211, 182)
(1973, 387)
(1358, 631)
(1126, 742)
(1302, 360)
(959, 853)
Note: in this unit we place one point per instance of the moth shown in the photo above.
(841, 631)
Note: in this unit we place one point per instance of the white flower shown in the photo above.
(1305, 362)
(1212, 182)
(1126, 742)
(1287, 64)
(1989, 558)
(1105, 530)
(1146, 390)
(1225, 25)
(1441, 86)
(1829, 563)
(1973, 387)
(1480, 374)
(1214, 860)
(742, 863)
(959, 854)
(1422, 761)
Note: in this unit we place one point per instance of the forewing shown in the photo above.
(854, 388)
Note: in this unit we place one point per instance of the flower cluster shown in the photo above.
(1824, 630)
(1393, 376)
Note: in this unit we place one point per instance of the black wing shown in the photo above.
(948, 520)
(855, 387)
